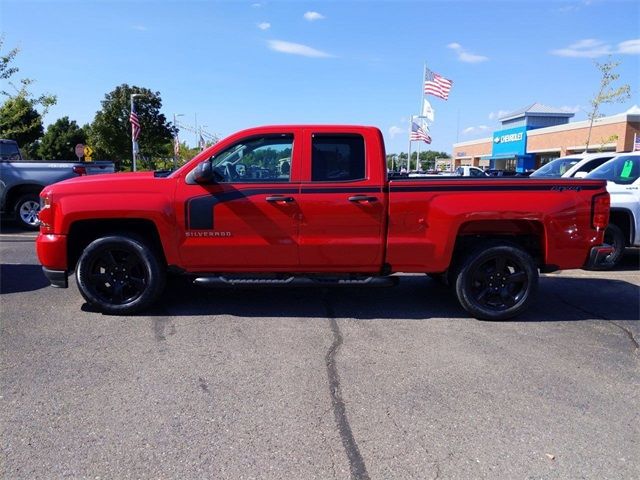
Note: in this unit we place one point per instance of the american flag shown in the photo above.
(418, 133)
(176, 145)
(436, 85)
(135, 125)
(636, 142)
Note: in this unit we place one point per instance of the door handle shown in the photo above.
(279, 198)
(362, 198)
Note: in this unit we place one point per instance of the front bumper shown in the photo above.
(58, 278)
(598, 255)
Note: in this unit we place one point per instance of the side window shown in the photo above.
(258, 159)
(337, 158)
(593, 164)
(475, 172)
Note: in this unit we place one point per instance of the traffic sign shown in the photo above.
(80, 151)
(88, 151)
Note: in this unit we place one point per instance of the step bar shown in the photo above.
(294, 281)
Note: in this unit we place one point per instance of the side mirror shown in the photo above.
(203, 173)
(581, 174)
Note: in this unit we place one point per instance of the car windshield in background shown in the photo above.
(9, 151)
(623, 170)
(556, 168)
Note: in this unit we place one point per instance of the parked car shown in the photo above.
(572, 165)
(469, 171)
(21, 181)
(501, 173)
(622, 174)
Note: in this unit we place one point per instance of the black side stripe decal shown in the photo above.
(199, 210)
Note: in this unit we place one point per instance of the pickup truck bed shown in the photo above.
(312, 204)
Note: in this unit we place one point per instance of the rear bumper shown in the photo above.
(58, 278)
(597, 255)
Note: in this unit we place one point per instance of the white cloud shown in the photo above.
(297, 49)
(256, 5)
(465, 55)
(498, 114)
(477, 129)
(587, 48)
(140, 28)
(593, 48)
(313, 16)
(630, 47)
(264, 26)
(394, 131)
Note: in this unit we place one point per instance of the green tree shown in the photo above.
(60, 139)
(110, 132)
(20, 121)
(606, 93)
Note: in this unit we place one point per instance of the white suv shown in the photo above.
(622, 174)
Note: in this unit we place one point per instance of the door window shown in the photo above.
(337, 158)
(264, 159)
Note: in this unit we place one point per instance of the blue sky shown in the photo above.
(240, 64)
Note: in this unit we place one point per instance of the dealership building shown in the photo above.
(537, 134)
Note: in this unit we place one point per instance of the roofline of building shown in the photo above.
(535, 114)
(619, 118)
(473, 142)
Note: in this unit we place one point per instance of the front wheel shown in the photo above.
(496, 282)
(119, 275)
(26, 211)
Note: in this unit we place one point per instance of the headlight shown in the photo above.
(46, 213)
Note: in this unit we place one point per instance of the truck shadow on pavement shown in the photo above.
(415, 298)
(21, 278)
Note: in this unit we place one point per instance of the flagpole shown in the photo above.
(409, 152)
(424, 74)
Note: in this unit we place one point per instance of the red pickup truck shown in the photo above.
(312, 205)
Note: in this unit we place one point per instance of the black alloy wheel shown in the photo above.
(497, 282)
(119, 275)
(613, 236)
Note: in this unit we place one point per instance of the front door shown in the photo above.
(247, 218)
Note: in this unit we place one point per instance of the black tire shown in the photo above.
(613, 236)
(119, 275)
(496, 281)
(26, 211)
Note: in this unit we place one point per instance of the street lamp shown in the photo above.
(134, 143)
(176, 139)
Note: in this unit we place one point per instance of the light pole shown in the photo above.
(134, 142)
(176, 139)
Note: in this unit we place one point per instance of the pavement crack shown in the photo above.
(356, 463)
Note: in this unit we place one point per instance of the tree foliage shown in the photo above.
(110, 132)
(60, 139)
(20, 121)
(606, 93)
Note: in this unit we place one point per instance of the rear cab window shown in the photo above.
(623, 170)
(337, 158)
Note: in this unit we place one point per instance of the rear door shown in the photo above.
(342, 201)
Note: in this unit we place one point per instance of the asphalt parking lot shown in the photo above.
(299, 383)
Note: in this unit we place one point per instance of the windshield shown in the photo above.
(9, 151)
(623, 170)
(556, 168)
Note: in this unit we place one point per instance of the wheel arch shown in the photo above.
(83, 232)
(12, 194)
(623, 219)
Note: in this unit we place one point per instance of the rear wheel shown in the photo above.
(613, 236)
(26, 211)
(119, 275)
(496, 281)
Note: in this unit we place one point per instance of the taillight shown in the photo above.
(80, 170)
(600, 211)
